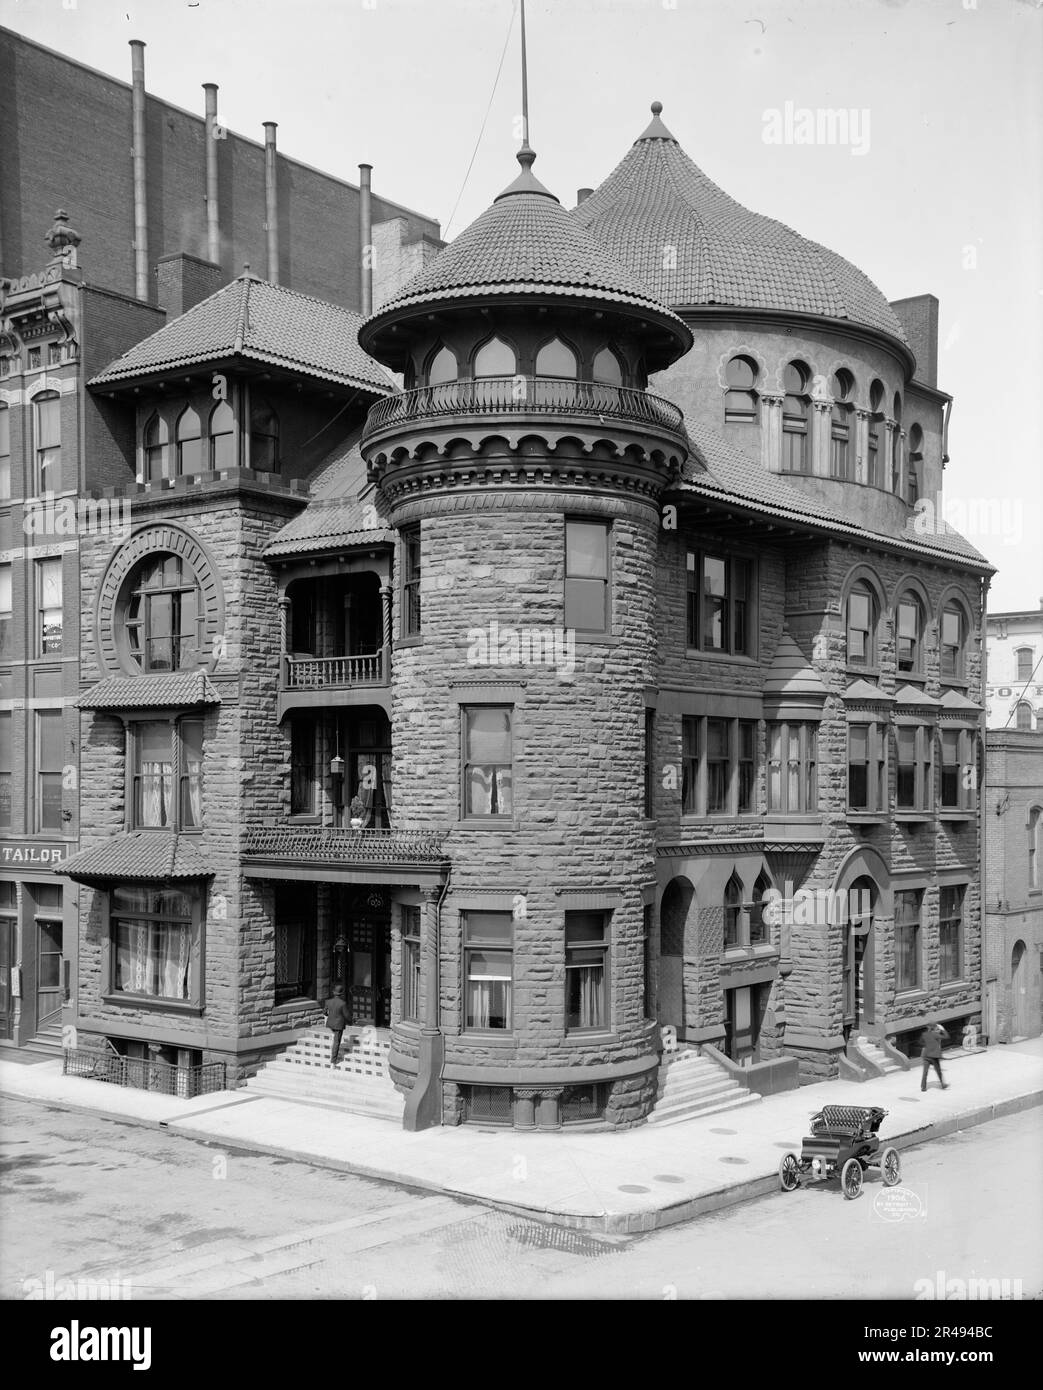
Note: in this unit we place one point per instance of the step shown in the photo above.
(695, 1084)
(677, 1116)
(383, 1104)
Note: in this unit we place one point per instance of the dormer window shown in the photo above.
(795, 455)
(157, 450)
(164, 621)
(444, 367)
(188, 435)
(557, 359)
(495, 358)
(740, 399)
(841, 386)
(607, 369)
(222, 437)
(908, 625)
(264, 437)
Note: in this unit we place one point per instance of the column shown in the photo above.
(429, 959)
(771, 432)
(549, 1113)
(861, 446)
(820, 437)
(525, 1098)
(385, 599)
(887, 443)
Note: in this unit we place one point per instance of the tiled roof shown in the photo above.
(342, 511)
(143, 855)
(178, 689)
(656, 197)
(259, 322)
(525, 243)
(718, 469)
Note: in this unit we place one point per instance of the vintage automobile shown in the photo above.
(843, 1140)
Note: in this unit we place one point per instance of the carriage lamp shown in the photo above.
(337, 766)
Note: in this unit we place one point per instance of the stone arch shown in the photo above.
(678, 919)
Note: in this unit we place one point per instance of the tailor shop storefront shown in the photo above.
(37, 939)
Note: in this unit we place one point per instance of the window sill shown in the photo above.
(761, 950)
(588, 1035)
(914, 817)
(292, 1005)
(866, 818)
(143, 1001)
(600, 639)
(863, 672)
(402, 642)
(740, 658)
(956, 815)
(949, 986)
(303, 819)
(498, 1038)
(506, 823)
(910, 996)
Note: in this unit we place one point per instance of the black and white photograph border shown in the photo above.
(521, 661)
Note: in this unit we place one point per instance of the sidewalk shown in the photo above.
(624, 1183)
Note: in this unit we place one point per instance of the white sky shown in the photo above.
(948, 198)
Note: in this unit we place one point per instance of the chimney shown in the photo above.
(137, 150)
(366, 238)
(213, 226)
(919, 317)
(271, 202)
(183, 280)
(582, 194)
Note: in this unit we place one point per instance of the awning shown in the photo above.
(139, 856)
(167, 690)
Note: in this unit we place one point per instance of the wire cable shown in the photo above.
(485, 118)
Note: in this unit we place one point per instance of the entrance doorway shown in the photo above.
(673, 916)
(1019, 993)
(48, 973)
(361, 952)
(744, 1011)
(859, 910)
(7, 964)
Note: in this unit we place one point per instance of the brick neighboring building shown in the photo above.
(558, 724)
(145, 260)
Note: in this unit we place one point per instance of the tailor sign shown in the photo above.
(31, 853)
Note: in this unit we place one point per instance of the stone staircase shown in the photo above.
(879, 1058)
(47, 1042)
(360, 1083)
(691, 1085)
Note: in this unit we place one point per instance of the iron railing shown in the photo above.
(524, 395)
(313, 845)
(144, 1074)
(318, 672)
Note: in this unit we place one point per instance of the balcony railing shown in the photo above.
(320, 672)
(314, 845)
(525, 395)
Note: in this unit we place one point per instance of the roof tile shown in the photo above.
(140, 855)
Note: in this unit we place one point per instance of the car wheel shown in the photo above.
(891, 1168)
(851, 1178)
(789, 1172)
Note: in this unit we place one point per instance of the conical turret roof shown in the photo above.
(723, 254)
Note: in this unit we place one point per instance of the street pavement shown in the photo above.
(618, 1183)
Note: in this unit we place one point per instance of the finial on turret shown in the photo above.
(657, 108)
(63, 239)
(656, 130)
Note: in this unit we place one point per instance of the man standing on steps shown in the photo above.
(932, 1053)
(337, 1019)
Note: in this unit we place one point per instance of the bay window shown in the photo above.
(167, 773)
(411, 963)
(914, 785)
(793, 767)
(959, 770)
(586, 971)
(488, 970)
(154, 932)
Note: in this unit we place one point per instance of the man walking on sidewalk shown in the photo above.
(932, 1053)
(337, 1019)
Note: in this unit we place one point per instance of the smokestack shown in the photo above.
(213, 228)
(137, 150)
(366, 237)
(271, 205)
(582, 194)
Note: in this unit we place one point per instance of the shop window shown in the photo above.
(188, 436)
(222, 437)
(586, 971)
(867, 768)
(914, 778)
(488, 761)
(740, 398)
(952, 637)
(411, 963)
(793, 767)
(47, 425)
(5, 452)
(156, 443)
(264, 437)
(49, 623)
(720, 591)
(166, 759)
(488, 971)
(154, 935)
(861, 626)
(795, 406)
(587, 575)
(607, 368)
(557, 359)
(950, 933)
(164, 621)
(907, 904)
(908, 634)
(495, 358)
(842, 385)
(411, 582)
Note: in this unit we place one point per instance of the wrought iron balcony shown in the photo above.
(313, 846)
(525, 396)
(321, 672)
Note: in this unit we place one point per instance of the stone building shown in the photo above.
(598, 696)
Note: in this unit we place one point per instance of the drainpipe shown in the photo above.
(366, 238)
(213, 226)
(137, 150)
(271, 206)
(424, 1101)
(982, 852)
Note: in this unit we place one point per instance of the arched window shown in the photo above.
(188, 436)
(908, 634)
(222, 437)
(758, 926)
(795, 419)
(876, 401)
(732, 911)
(47, 423)
(841, 387)
(1035, 816)
(861, 626)
(607, 368)
(1023, 716)
(914, 459)
(557, 359)
(164, 615)
(740, 399)
(157, 450)
(951, 638)
(443, 367)
(264, 437)
(495, 358)
(896, 448)
(5, 451)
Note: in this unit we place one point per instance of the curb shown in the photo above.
(621, 1224)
